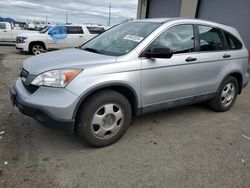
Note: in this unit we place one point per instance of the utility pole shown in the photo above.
(66, 18)
(109, 14)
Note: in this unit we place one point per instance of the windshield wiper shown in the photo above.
(92, 50)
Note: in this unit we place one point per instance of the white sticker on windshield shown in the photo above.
(133, 38)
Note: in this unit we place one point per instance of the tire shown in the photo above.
(103, 118)
(226, 95)
(37, 49)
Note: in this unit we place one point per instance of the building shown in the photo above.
(235, 13)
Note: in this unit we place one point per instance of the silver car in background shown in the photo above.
(133, 68)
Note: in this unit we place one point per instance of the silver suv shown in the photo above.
(133, 68)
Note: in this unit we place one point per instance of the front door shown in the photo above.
(5, 32)
(168, 80)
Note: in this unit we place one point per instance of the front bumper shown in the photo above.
(22, 47)
(39, 111)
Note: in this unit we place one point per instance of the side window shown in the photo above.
(57, 30)
(96, 30)
(232, 42)
(2, 26)
(178, 39)
(74, 30)
(211, 39)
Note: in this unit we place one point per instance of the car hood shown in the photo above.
(63, 59)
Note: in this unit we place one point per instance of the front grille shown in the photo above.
(25, 80)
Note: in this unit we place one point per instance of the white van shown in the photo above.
(57, 37)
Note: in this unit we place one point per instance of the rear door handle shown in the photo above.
(190, 59)
(80, 36)
(226, 56)
(4, 31)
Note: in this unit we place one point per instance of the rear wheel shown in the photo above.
(226, 95)
(104, 118)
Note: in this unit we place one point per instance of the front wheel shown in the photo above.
(37, 49)
(226, 95)
(104, 118)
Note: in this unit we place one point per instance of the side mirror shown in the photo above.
(159, 53)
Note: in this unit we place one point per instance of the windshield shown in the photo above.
(45, 29)
(120, 39)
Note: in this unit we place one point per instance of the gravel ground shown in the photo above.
(190, 146)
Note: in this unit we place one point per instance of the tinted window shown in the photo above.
(2, 26)
(179, 39)
(211, 39)
(96, 30)
(74, 30)
(232, 42)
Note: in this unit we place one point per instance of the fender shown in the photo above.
(104, 86)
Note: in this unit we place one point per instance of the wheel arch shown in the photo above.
(122, 88)
(239, 78)
(37, 42)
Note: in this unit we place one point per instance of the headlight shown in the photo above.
(21, 39)
(56, 78)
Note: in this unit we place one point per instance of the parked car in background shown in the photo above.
(57, 37)
(133, 68)
(8, 32)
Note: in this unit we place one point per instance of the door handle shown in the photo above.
(226, 56)
(80, 36)
(5, 31)
(190, 59)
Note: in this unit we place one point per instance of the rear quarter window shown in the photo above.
(2, 26)
(232, 42)
(96, 30)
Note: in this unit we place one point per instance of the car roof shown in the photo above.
(165, 20)
(157, 20)
(188, 20)
(192, 21)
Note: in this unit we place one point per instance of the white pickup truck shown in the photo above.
(57, 37)
(8, 33)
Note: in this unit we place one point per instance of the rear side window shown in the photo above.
(2, 26)
(232, 42)
(74, 30)
(96, 30)
(211, 39)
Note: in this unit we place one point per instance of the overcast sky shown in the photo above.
(79, 11)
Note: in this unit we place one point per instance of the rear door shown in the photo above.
(57, 37)
(166, 80)
(214, 58)
(76, 36)
(5, 32)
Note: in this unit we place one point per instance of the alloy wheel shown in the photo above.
(37, 49)
(227, 94)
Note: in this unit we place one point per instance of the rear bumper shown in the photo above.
(39, 114)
